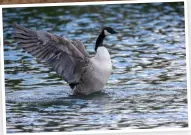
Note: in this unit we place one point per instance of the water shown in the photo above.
(147, 88)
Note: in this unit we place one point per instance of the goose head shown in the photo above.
(108, 30)
(105, 32)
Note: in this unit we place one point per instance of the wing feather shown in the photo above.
(79, 45)
(63, 55)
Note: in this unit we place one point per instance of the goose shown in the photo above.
(85, 74)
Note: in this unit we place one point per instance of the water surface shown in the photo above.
(147, 88)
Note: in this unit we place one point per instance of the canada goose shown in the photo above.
(69, 58)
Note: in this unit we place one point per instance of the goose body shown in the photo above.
(96, 74)
(69, 59)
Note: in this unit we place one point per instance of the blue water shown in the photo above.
(147, 88)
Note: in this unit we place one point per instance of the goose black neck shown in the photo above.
(99, 41)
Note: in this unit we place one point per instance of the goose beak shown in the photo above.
(114, 32)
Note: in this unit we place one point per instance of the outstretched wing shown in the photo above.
(60, 53)
(79, 45)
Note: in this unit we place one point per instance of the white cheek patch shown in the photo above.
(106, 33)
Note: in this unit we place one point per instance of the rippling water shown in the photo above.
(147, 88)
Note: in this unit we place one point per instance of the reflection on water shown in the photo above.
(147, 88)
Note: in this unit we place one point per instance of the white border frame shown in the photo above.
(170, 131)
(88, 3)
(2, 81)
